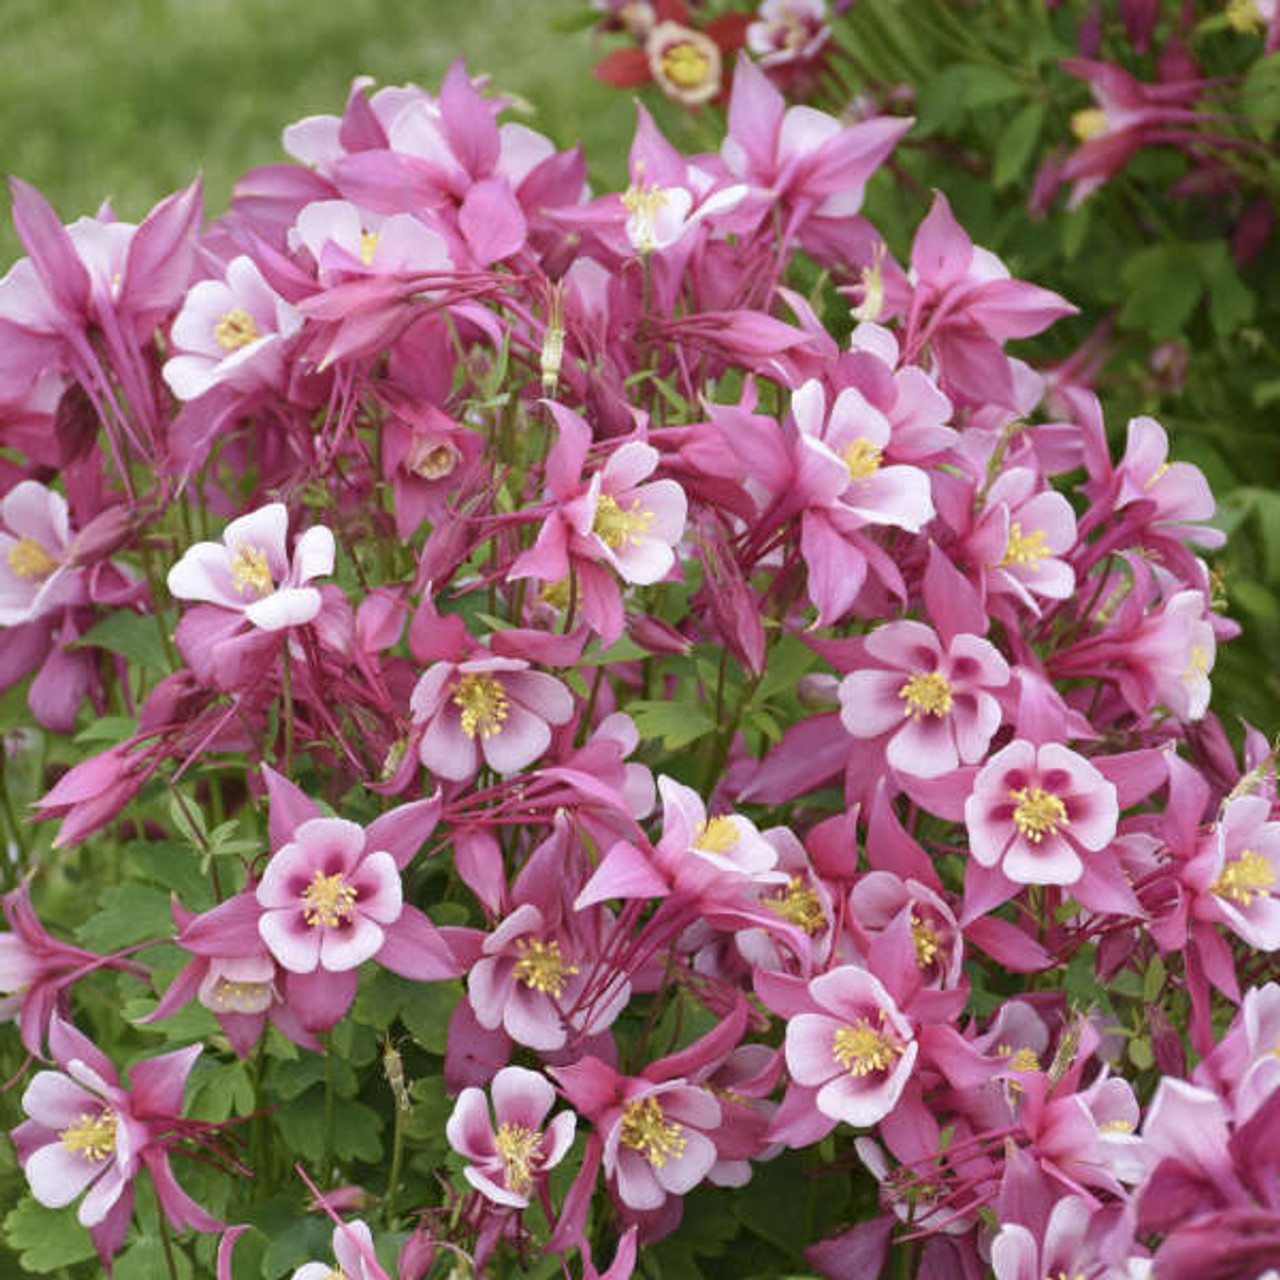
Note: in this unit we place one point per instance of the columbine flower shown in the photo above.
(508, 1162)
(685, 64)
(251, 573)
(856, 1049)
(1033, 809)
(327, 897)
(491, 707)
(353, 1249)
(1240, 868)
(933, 706)
(788, 31)
(342, 242)
(230, 331)
(36, 575)
(1021, 538)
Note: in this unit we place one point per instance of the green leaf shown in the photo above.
(145, 1260)
(301, 1122)
(219, 1093)
(108, 729)
(1017, 143)
(1260, 95)
(355, 1132)
(1231, 301)
(127, 913)
(46, 1239)
(676, 724)
(789, 659)
(962, 87)
(1140, 1054)
(1164, 282)
(131, 635)
(426, 1011)
(1153, 982)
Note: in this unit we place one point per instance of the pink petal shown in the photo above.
(57, 1175)
(522, 1097)
(349, 945)
(469, 1129)
(521, 740)
(810, 1037)
(291, 940)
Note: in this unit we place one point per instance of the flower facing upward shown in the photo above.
(685, 64)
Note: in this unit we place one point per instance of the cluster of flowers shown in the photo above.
(577, 474)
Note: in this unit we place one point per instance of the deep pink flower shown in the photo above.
(933, 706)
(1035, 809)
(509, 1162)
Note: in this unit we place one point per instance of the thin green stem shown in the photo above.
(168, 1247)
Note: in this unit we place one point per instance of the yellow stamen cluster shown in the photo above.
(556, 594)
(93, 1137)
(1025, 1060)
(716, 835)
(1038, 814)
(1024, 548)
(798, 904)
(1089, 123)
(484, 705)
(685, 65)
(927, 941)
(235, 329)
(240, 997)
(1115, 1126)
(250, 573)
(1243, 16)
(1249, 876)
(328, 900)
(860, 1049)
(1198, 666)
(541, 967)
(616, 527)
(518, 1148)
(862, 459)
(646, 1129)
(433, 462)
(368, 247)
(927, 693)
(29, 560)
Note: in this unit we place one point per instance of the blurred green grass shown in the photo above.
(127, 99)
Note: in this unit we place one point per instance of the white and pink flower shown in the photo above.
(788, 31)
(344, 241)
(933, 705)
(1035, 809)
(250, 570)
(36, 571)
(355, 1255)
(1238, 873)
(510, 1152)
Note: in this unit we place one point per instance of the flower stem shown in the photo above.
(168, 1247)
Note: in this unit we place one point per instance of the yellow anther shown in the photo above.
(235, 329)
(433, 462)
(28, 559)
(646, 1129)
(1243, 16)
(518, 1148)
(686, 65)
(93, 1137)
(1038, 813)
(250, 573)
(1249, 876)
(328, 900)
(927, 941)
(241, 997)
(616, 527)
(927, 693)
(368, 247)
(1024, 548)
(862, 459)
(1025, 1060)
(484, 706)
(860, 1049)
(798, 904)
(1198, 666)
(1115, 1126)
(541, 967)
(1089, 123)
(716, 835)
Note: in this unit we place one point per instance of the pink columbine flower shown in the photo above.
(788, 31)
(492, 707)
(1239, 873)
(510, 1161)
(343, 242)
(1022, 536)
(87, 1133)
(230, 331)
(36, 571)
(1033, 809)
(934, 705)
(856, 1049)
(326, 897)
(251, 572)
(353, 1249)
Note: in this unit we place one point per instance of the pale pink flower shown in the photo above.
(511, 1153)
(354, 1252)
(685, 64)
(1240, 873)
(856, 1049)
(933, 705)
(342, 240)
(788, 31)
(1024, 532)
(251, 572)
(1034, 809)
(230, 331)
(36, 571)
(492, 707)
(326, 898)
(727, 844)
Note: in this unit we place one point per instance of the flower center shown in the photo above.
(484, 704)
(235, 329)
(28, 559)
(93, 1137)
(1039, 813)
(798, 904)
(1089, 123)
(230, 996)
(328, 900)
(518, 1148)
(645, 1129)
(1198, 666)
(927, 941)
(616, 527)
(644, 203)
(860, 1049)
(250, 573)
(541, 967)
(1115, 1126)
(1024, 548)
(716, 835)
(368, 247)
(862, 459)
(433, 462)
(1243, 16)
(1249, 876)
(685, 65)
(927, 693)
